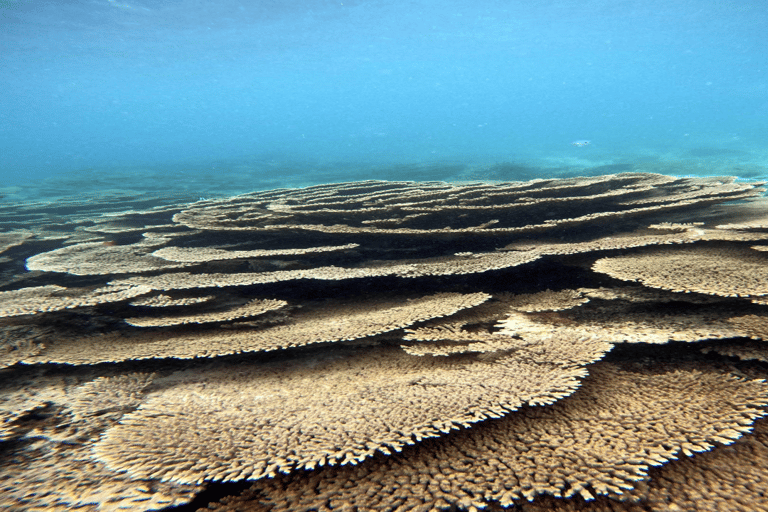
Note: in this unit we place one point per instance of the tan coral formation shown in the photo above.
(338, 409)
(343, 208)
(328, 321)
(100, 258)
(751, 326)
(655, 234)
(452, 335)
(10, 239)
(731, 271)
(253, 308)
(64, 477)
(465, 331)
(726, 479)
(20, 341)
(752, 216)
(642, 294)
(53, 467)
(445, 340)
(164, 301)
(48, 298)
(203, 254)
(601, 440)
(641, 319)
(105, 394)
(22, 395)
(744, 350)
(548, 300)
(459, 265)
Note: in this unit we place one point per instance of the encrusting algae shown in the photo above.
(561, 344)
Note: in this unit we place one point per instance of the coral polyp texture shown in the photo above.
(388, 346)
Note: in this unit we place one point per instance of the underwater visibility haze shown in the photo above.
(247, 95)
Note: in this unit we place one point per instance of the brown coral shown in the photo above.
(642, 319)
(603, 439)
(726, 479)
(752, 326)
(731, 271)
(99, 258)
(337, 409)
(10, 239)
(254, 307)
(203, 254)
(420, 208)
(321, 322)
(455, 265)
(548, 300)
(49, 466)
(48, 298)
(63, 477)
(164, 301)
(744, 350)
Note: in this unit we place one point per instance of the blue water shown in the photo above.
(232, 95)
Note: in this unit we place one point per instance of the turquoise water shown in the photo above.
(211, 98)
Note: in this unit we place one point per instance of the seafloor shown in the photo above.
(588, 342)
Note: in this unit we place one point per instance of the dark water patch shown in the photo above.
(705, 152)
(213, 492)
(750, 171)
(652, 354)
(511, 171)
(601, 170)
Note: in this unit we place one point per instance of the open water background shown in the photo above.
(208, 98)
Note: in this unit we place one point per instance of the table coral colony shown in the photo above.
(560, 344)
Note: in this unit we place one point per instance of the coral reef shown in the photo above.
(563, 344)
